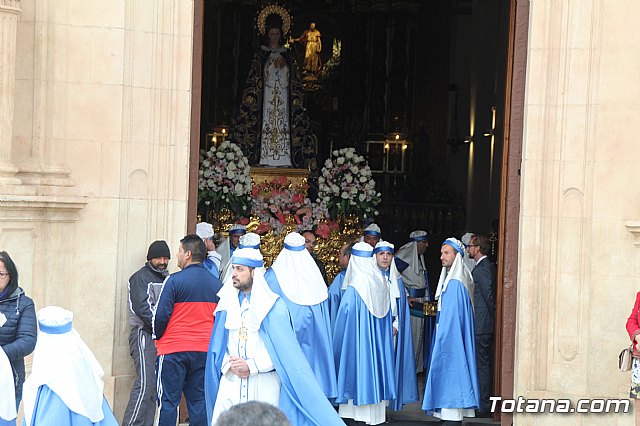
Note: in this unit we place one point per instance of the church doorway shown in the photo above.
(446, 77)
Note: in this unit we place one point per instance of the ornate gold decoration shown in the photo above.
(243, 333)
(274, 9)
(328, 249)
(430, 309)
(297, 177)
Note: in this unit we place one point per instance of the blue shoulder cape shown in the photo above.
(301, 398)
(405, 366)
(210, 266)
(49, 410)
(363, 352)
(335, 295)
(452, 380)
(313, 331)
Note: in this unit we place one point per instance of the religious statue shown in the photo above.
(271, 126)
(312, 62)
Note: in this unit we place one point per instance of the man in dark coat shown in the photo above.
(484, 277)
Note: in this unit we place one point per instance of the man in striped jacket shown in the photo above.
(144, 286)
(182, 326)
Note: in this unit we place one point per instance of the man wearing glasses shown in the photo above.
(484, 276)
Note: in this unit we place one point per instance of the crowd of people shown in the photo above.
(227, 333)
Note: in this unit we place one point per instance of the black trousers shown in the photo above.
(484, 361)
(141, 409)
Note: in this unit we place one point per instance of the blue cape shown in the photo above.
(301, 398)
(313, 331)
(363, 352)
(452, 380)
(335, 295)
(210, 266)
(49, 410)
(405, 366)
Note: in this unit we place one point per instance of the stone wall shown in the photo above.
(94, 156)
(578, 267)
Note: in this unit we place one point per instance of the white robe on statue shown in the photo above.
(275, 145)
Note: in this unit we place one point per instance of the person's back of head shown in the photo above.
(253, 413)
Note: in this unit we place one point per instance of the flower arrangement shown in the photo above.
(346, 185)
(224, 180)
(278, 202)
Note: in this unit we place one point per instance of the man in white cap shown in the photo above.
(363, 341)
(411, 264)
(253, 353)
(295, 277)
(229, 245)
(204, 230)
(451, 390)
(335, 290)
(65, 387)
(372, 234)
(249, 240)
(404, 365)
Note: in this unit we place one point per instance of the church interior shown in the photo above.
(417, 87)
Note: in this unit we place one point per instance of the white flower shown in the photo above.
(231, 174)
(335, 188)
(211, 182)
(238, 188)
(230, 156)
(345, 195)
(220, 154)
(348, 178)
(328, 164)
(363, 179)
(362, 197)
(225, 189)
(349, 154)
(340, 160)
(231, 167)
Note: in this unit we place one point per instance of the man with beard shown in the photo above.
(182, 325)
(451, 390)
(144, 286)
(253, 353)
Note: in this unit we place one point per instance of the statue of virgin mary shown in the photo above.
(271, 126)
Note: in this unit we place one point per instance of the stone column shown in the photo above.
(9, 14)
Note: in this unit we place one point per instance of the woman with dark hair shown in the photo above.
(18, 329)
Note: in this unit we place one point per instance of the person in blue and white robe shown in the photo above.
(65, 387)
(295, 277)
(411, 264)
(335, 290)
(254, 355)
(229, 245)
(452, 390)
(248, 240)
(372, 234)
(404, 365)
(363, 345)
(204, 230)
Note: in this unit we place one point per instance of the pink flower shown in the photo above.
(243, 221)
(263, 228)
(323, 230)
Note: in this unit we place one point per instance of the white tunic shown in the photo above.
(262, 384)
(275, 141)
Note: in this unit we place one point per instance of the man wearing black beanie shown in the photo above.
(144, 290)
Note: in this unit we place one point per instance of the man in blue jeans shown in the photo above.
(182, 327)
